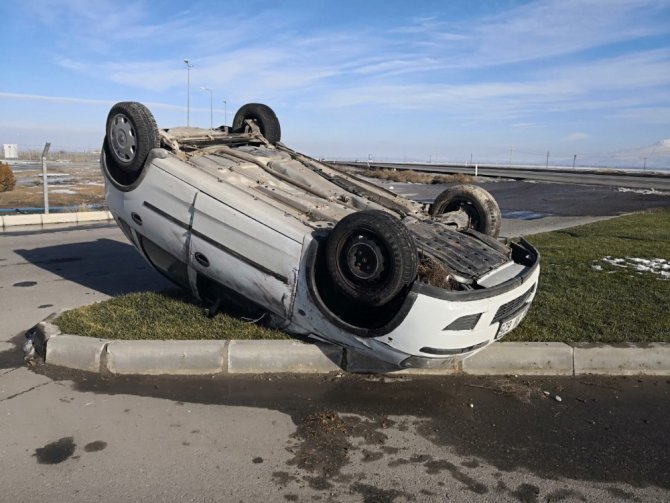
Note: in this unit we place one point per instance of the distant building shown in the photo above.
(11, 150)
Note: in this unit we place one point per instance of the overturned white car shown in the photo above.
(233, 215)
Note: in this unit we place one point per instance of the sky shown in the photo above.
(492, 80)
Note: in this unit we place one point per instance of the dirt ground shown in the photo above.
(77, 186)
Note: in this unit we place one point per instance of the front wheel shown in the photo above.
(480, 206)
(371, 257)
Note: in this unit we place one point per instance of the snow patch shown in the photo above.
(646, 192)
(658, 266)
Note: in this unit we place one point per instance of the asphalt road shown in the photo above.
(533, 207)
(71, 436)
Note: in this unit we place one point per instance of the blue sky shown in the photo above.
(396, 79)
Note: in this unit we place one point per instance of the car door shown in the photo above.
(236, 247)
(160, 214)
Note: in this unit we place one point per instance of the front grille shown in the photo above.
(506, 309)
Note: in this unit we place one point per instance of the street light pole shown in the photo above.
(211, 107)
(225, 113)
(188, 92)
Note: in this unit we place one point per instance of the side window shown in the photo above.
(171, 267)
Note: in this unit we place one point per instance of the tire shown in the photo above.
(480, 206)
(131, 134)
(263, 116)
(371, 257)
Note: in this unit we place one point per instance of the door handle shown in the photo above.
(202, 260)
(136, 218)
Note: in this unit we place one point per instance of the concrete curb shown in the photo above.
(259, 357)
(527, 358)
(54, 218)
(164, 357)
(75, 352)
(622, 359)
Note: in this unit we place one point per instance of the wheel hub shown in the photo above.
(468, 209)
(123, 138)
(365, 260)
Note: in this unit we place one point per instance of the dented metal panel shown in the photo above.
(245, 237)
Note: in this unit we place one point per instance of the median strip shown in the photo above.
(589, 317)
(206, 357)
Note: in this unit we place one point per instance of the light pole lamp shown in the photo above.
(188, 91)
(211, 105)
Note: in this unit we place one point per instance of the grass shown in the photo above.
(575, 302)
(165, 315)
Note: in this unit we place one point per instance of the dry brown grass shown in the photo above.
(434, 273)
(411, 176)
(23, 197)
(80, 186)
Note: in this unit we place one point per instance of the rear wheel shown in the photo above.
(263, 116)
(131, 134)
(480, 206)
(371, 257)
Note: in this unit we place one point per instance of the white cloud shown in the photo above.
(541, 30)
(81, 101)
(55, 99)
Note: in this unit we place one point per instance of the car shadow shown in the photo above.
(115, 268)
(104, 265)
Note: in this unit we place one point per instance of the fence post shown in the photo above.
(45, 184)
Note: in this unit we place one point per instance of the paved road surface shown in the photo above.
(531, 207)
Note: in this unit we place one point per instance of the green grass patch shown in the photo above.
(577, 303)
(171, 314)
